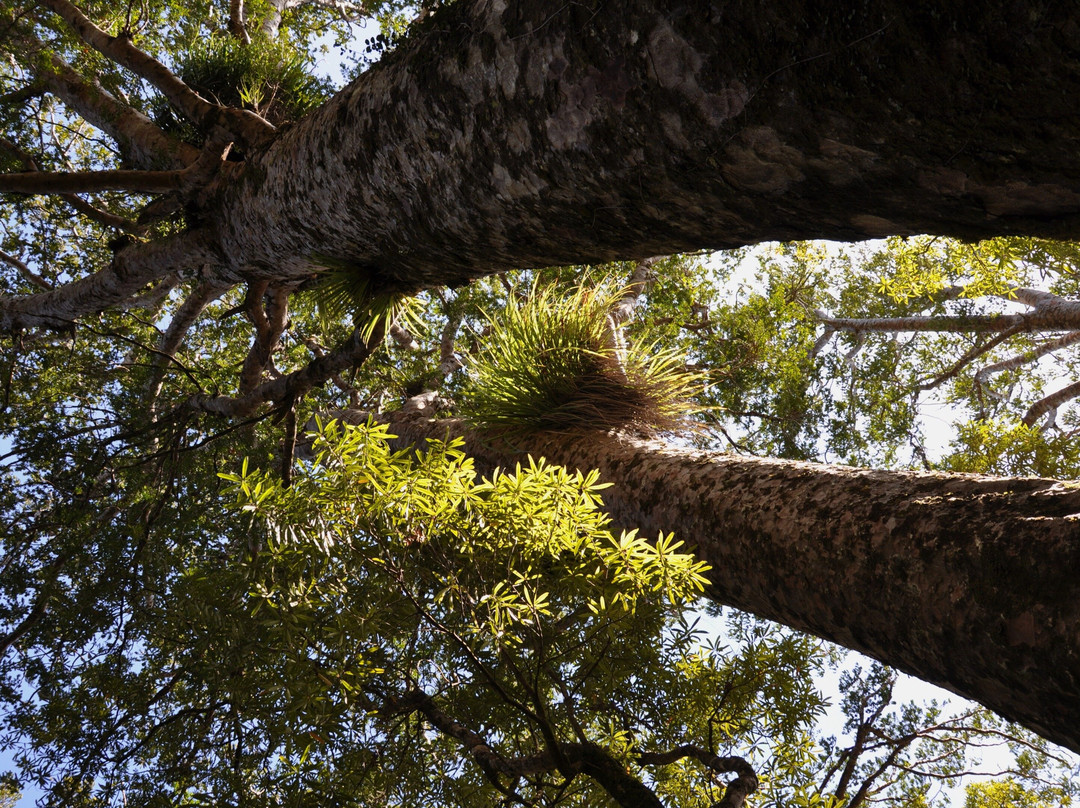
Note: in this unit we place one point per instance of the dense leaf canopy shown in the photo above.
(201, 605)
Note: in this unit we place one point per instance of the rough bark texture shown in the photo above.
(540, 133)
(965, 581)
(536, 133)
(132, 268)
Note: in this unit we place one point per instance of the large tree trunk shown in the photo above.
(535, 133)
(966, 581)
(505, 135)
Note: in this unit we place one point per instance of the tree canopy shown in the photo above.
(207, 245)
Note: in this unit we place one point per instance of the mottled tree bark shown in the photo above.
(540, 133)
(966, 581)
(537, 133)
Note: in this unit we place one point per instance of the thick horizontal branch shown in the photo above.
(968, 582)
(1049, 312)
(955, 324)
(30, 170)
(75, 182)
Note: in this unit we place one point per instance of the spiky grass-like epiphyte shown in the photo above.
(552, 364)
(343, 292)
(267, 76)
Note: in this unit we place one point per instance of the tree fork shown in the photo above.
(965, 581)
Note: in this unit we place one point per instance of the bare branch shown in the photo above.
(88, 210)
(821, 342)
(182, 320)
(635, 287)
(237, 23)
(849, 357)
(288, 448)
(243, 125)
(404, 338)
(152, 297)
(269, 322)
(1049, 313)
(969, 357)
(338, 382)
(193, 177)
(1049, 405)
(272, 21)
(945, 323)
(41, 603)
(141, 141)
(1028, 356)
(622, 311)
(130, 270)
(102, 216)
(1036, 298)
(352, 353)
(738, 790)
(864, 788)
(342, 6)
(27, 273)
(473, 741)
(448, 360)
(71, 182)
(446, 341)
(189, 311)
(32, 90)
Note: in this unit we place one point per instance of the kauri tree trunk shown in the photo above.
(506, 135)
(966, 581)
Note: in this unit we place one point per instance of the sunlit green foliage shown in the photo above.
(911, 269)
(289, 654)
(230, 622)
(1008, 793)
(889, 398)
